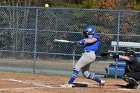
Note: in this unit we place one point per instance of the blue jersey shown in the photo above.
(92, 46)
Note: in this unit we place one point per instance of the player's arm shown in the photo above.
(89, 40)
(124, 57)
(92, 40)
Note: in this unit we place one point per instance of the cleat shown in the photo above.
(67, 85)
(133, 83)
(102, 83)
(129, 86)
(137, 86)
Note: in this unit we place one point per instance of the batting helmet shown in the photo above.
(129, 52)
(89, 30)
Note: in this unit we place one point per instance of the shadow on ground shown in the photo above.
(80, 85)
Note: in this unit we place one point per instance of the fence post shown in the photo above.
(74, 57)
(34, 58)
(118, 33)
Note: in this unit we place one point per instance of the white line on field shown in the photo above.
(29, 82)
(41, 85)
(124, 89)
(28, 88)
(121, 89)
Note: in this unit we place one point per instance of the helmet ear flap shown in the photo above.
(85, 34)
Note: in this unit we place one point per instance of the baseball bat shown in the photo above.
(63, 41)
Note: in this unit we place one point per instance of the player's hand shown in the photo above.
(80, 42)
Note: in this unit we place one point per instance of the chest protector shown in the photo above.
(133, 65)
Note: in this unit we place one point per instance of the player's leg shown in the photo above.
(92, 76)
(73, 76)
(75, 72)
(133, 79)
(83, 61)
(71, 80)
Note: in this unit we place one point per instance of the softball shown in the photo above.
(46, 5)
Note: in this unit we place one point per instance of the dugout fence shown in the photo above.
(27, 34)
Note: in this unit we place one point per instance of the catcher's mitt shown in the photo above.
(105, 54)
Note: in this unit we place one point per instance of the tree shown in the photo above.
(16, 2)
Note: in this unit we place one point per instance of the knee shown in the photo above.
(127, 78)
(86, 74)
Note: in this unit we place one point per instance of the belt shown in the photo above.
(87, 51)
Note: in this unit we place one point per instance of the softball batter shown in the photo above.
(90, 44)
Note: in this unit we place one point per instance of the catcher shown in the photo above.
(90, 44)
(132, 69)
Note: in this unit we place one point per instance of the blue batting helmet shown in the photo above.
(89, 30)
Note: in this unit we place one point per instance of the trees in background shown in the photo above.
(98, 4)
(66, 20)
(105, 4)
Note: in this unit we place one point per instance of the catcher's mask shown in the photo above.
(129, 52)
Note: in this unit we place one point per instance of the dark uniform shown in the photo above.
(132, 69)
(132, 72)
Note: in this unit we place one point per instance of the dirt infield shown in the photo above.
(32, 83)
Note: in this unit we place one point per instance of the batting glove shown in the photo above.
(80, 42)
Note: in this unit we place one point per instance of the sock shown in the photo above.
(97, 80)
(92, 76)
(73, 76)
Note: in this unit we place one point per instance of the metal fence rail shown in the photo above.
(27, 34)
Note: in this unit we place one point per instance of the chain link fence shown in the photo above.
(27, 34)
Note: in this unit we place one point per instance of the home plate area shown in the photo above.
(29, 84)
(32, 83)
